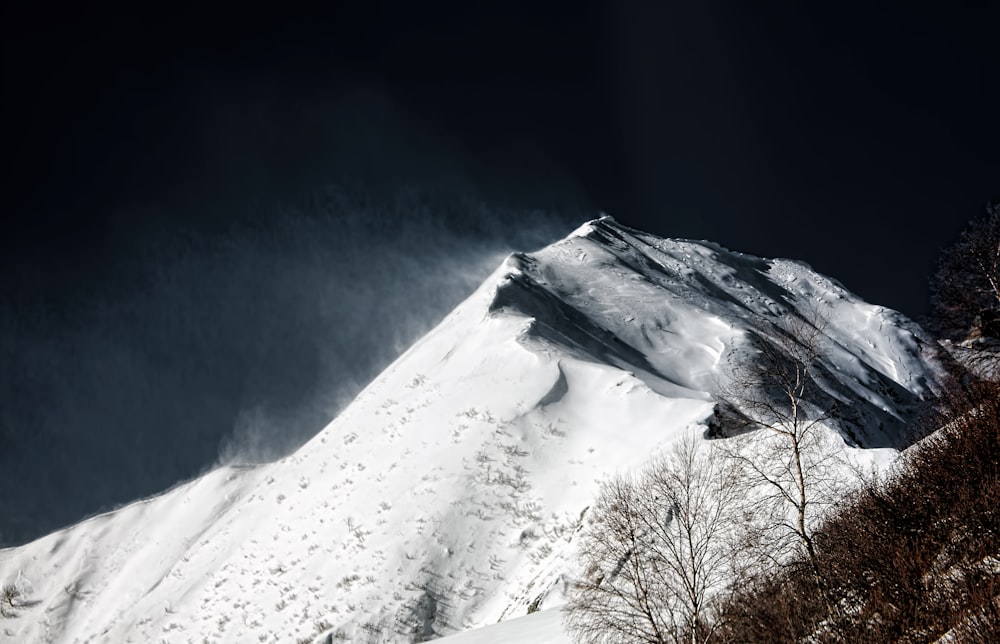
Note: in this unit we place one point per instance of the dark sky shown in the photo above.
(857, 139)
(200, 202)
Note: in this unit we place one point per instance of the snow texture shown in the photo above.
(447, 496)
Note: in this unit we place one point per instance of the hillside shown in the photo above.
(447, 495)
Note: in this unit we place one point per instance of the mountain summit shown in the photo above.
(448, 494)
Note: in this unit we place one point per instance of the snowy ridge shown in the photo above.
(447, 495)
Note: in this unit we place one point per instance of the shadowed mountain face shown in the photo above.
(627, 296)
(447, 494)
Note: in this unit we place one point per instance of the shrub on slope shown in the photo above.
(911, 557)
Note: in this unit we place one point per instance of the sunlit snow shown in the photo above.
(447, 496)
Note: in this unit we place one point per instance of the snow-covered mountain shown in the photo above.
(447, 495)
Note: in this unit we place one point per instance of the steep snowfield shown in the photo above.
(543, 627)
(447, 495)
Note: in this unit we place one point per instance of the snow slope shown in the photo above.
(447, 495)
(542, 627)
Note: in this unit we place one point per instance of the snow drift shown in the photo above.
(448, 494)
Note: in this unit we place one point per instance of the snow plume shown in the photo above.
(206, 343)
(450, 493)
(352, 283)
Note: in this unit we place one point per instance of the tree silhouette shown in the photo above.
(789, 471)
(657, 552)
(965, 290)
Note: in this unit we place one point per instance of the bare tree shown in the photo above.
(657, 551)
(789, 472)
(965, 290)
(911, 555)
(10, 597)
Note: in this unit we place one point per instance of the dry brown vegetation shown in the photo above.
(965, 294)
(966, 287)
(910, 557)
(914, 555)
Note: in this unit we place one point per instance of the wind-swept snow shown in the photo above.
(447, 495)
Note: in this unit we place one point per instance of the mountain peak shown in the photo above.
(587, 227)
(448, 494)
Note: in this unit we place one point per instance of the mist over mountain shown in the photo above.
(447, 495)
(198, 341)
